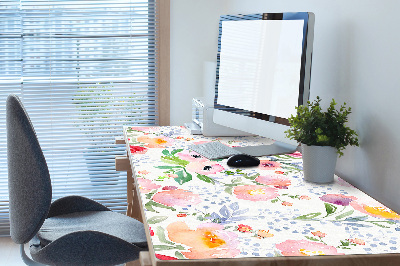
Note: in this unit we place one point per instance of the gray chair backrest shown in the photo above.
(29, 183)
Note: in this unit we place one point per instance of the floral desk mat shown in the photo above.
(198, 208)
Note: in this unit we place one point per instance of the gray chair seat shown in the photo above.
(111, 223)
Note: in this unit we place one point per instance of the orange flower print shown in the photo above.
(264, 234)
(375, 209)
(255, 192)
(305, 197)
(143, 172)
(357, 241)
(208, 240)
(318, 234)
(286, 203)
(244, 228)
(156, 142)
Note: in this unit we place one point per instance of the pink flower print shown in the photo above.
(295, 154)
(338, 199)
(201, 142)
(244, 228)
(141, 128)
(343, 183)
(146, 185)
(156, 142)
(137, 149)
(164, 257)
(177, 197)
(151, 231)
(286, 203)
(255, 192)
(204, 168)
(191, 156)
(375, 209)
(305, 248)
(208, 240)
(277, 181)
(169, 188)
(269, 165)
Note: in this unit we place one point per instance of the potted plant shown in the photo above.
(323, 135)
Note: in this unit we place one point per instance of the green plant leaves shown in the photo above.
(312, 126)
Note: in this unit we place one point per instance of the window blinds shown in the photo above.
(83, 69)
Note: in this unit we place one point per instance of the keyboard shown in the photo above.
(214, 150)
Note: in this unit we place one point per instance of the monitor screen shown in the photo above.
(260, 63)
(263, 71)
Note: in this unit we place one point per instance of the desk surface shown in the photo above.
(200, 209)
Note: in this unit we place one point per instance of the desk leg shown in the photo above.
(129, 192)
(132, 198)
(144, 260)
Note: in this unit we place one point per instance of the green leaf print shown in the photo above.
(150, 204)
(160, 232)
(330, 209)
(309, 216)
(174, 160)
(206, 179)
(157, 219)
(183, 177)
(344, 215)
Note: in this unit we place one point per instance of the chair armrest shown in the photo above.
(72, 204)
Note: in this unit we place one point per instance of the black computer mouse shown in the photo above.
(242, 160)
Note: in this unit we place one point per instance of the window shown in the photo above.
(83, 69)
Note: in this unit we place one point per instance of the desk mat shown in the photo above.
(198, 208)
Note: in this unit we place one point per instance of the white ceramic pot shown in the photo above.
(319, 163)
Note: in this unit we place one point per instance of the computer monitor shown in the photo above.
(263, 73)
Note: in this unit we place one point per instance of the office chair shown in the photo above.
(70, 231)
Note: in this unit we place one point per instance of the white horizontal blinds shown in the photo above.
(88, 68)
(10, 82)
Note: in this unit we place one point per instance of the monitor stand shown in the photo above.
(265, 150)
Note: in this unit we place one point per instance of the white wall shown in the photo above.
(356, 60)
(194, 41)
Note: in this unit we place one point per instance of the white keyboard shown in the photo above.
(214, 150)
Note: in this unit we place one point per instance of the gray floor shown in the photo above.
(9, 253)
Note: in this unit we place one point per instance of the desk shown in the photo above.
(196, 210)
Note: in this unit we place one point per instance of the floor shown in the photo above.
(9, 253)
